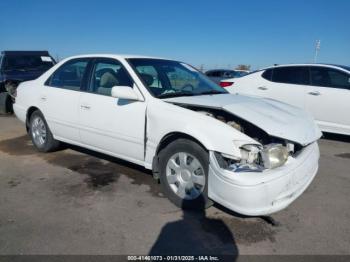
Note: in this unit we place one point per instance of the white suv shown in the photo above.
(322, 89)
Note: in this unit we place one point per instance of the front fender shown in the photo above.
(165, 118)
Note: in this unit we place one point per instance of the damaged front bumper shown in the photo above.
(262, 193)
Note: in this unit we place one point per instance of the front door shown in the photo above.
(112, 125)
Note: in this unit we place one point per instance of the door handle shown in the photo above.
(314, 93)
(85, 107)
(262, 88)
(43, 98)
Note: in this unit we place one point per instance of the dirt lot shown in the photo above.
(79, 202)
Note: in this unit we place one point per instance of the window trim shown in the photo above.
(47, 83)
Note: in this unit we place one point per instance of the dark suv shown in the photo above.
(19, 66)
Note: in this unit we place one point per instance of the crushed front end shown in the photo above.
(267, 176)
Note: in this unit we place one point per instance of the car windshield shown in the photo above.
(167, 78)
(27, 62)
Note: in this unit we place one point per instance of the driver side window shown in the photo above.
(107, 74)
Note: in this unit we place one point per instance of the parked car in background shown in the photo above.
(322, 89)
(253, 156)
(19, 66)
(220, 74)
(242, 72)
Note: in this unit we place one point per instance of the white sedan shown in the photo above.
(253, 156)
(321, 89)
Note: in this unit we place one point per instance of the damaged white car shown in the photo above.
(253, 156)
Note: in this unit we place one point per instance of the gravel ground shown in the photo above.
(75, 201)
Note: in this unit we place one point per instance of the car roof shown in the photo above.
(43, 53)
(307, 64)
(116, 56)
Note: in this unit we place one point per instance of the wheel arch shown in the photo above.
(30, 111)
(165, 141)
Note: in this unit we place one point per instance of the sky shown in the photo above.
(209, 33)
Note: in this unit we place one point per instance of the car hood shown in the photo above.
(275, 118)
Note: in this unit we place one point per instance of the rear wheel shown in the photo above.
(40, 133)
(184, 174)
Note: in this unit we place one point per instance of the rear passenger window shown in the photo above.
(291, 75)
(267, 74)
(69, 75)
(321, 76)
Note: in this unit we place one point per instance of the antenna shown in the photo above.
(318, 47)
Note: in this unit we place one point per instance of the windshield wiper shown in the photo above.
(176, 94)
(211, 92)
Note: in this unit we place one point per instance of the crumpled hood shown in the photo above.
(275, 118)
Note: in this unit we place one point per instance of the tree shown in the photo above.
(243, 67)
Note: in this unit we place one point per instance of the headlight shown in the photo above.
(254, 158)
(250, 153)
(274, 155)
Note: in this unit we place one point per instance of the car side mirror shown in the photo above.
(124, 92)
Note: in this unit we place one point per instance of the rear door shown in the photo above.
(328, 98)
(59, 99)
(287, 84)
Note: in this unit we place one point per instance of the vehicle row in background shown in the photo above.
(220, 74)
(19, 66)
(321, 89)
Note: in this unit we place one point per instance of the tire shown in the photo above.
(40, 133)
(182, 180)
(5, 103)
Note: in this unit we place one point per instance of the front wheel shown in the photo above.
(40, 133)
(5, 103)
(184, 168)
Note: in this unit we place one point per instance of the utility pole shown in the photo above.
(318, 47)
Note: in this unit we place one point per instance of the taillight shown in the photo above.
(226, 84)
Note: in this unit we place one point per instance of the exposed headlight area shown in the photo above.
(274, 155)
(256, 158)
(250, 153)
(269, 152)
